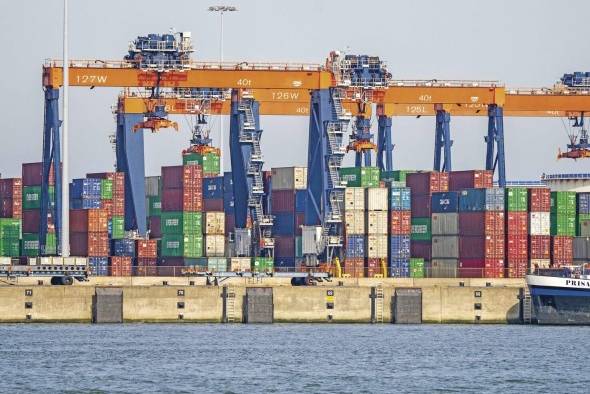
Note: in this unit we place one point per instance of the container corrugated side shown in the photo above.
(289, 178)
(354, 222)
(445, 246)
(377, 246)
(540, 223)
(445, 224)
(377, 222)
(354, 198)
(377, 198)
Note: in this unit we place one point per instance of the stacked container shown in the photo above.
(583, 213)
(377, 225)
(89, 232)
(422, 185)
(31, 211)
(228, 203)
(10, 234)
(400, 216)
(481, 233)
(181, 217)
(288, 196)
(563, 227)
(354, 231)
(209, 162)
(517, 239)
(147, 258)
(11, 192)
(112, 199)
(360, 176)
(214, 233)
(213, 194)
(153, 191)
(539, 227)
(445, 230)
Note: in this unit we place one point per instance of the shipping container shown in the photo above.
(400, 223)
(580, 219)
(400, 199)
(399, 247)
(581, 247)
(417, 268)
(445, 224)
(540, 264)
(31, 196)
(377, 222)
(540, 247)
(172, 177)
(399, 268)
(562, 250)
(300, 200)
(421, 229)
(283, 201)
(354, 199)
(583, 201)
(472, 179)
(539, 199)
(99, 266)
(212, 205)
(445, 202)
(88, 220)
(480, 247)
(481, 268)
(284, 224)
(373, 267)
(428, 182)
(85, 188)
(120, 266)
(98, 244)
(289, 178)
(517, 268)
(584, 228)
(214, 223)
(540, 223)
(421, 249)
(240, 264)
(214, 245)
(480, 223)
(395, 175)
(563, 202)
(376, 199)
(517, 223)
(441, 268)
(477, 200)
(155, 228)
(213, 188)
(154, 205)
(360, 176)
(516, 199)
(123, 247)
(563, 224)
(147, 248)
(146, 266)
(517, 247)
(118, 227)
(355, 267)
(153, 186)
(181, 223)
(421, 205)
(445, 246)
(171, 200)
(377, 246)
(355, 245)
(262, 264)
(32, 174)
(284, 246)
(354, 222)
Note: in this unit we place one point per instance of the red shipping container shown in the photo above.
(421, 205)
(517, 268)
(146, 266)
(373, 267)
(283, 201)
(472, 247)
(192, 200)
(473, 179)
(481, 223)
(562, 250)
(108, 206)
(230, 223)
(421, 249)
(192, 177)
(539, 199)
(31, 220)
(517, 223)
(120, 266)
(428, 182)
(540, 246)
(155, 227)
(89, 220)
(147, 248)
(32, 174)
(172, 177)
(213, 205)
(471, 268)
(119, 205)
(284, 246)
(98, 244)
(494, 268)
(11, 187)
(172, 200)
(495, 246)
(354, 267)
(11, 208)
(400, 223)
(171, 266)
(517, 246)
(79, 244)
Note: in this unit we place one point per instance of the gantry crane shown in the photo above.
(299, 90)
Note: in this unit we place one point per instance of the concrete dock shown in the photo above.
(244, 300)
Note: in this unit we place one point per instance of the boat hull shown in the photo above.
(560, 301)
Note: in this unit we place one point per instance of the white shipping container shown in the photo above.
(152, 186)
(81, 261)
(214, 245)
(540, 263)
(33, 261)
(289, 178)
(377, 222)
(311, 236)
(354, 222)
(540, 223)
(240, 264)
(377, 199)
(45, 261)
(5, 261)
(214, 223)
(354, 198)
(377, 246)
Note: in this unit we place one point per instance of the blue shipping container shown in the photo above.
(399, 268)
(478, 200)
(284, 264)
(584, 203)
(355, 246)
(99, 266)
(300, 201)
(284, 223)
(123, 247)
(85, 187)
(399, 246)
(443, 202)
(85, 203)
(213, 188)
(400, 199)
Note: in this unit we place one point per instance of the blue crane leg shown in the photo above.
(442, 142)
(384, 145)
(495, 157)
(130, 160)
(239, 154)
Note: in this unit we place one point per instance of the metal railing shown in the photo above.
(584, 176)
(446, 83)
(557, 90)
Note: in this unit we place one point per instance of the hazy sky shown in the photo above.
(524, 43)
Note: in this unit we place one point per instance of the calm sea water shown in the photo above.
(293, 358)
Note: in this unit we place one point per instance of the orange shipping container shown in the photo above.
(120, 266)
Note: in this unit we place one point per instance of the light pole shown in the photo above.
(65, 193)
(221, 9)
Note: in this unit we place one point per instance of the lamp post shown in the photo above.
(221, 9)
(65, 193)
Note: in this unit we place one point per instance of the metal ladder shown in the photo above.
(230, 305)
(527, 306)
(379, 298)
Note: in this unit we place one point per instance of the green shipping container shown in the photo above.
(10, 228)
(298, 246)
(118, 227)
(172, 245)
(563, 202)
(421, 229)
(32, 196)
(217, 264)
(395, 176)
(10, 247)
(209, 161)
(517, 199)
(30, 245)
(106, 189)
(416, 267)
(50, 244)
(154, 206)
(262, 264)
(181, 222)
(580, 219)
(193, 245)
(360, 176)
(199, 262)
(191, 159)
(562, 224)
